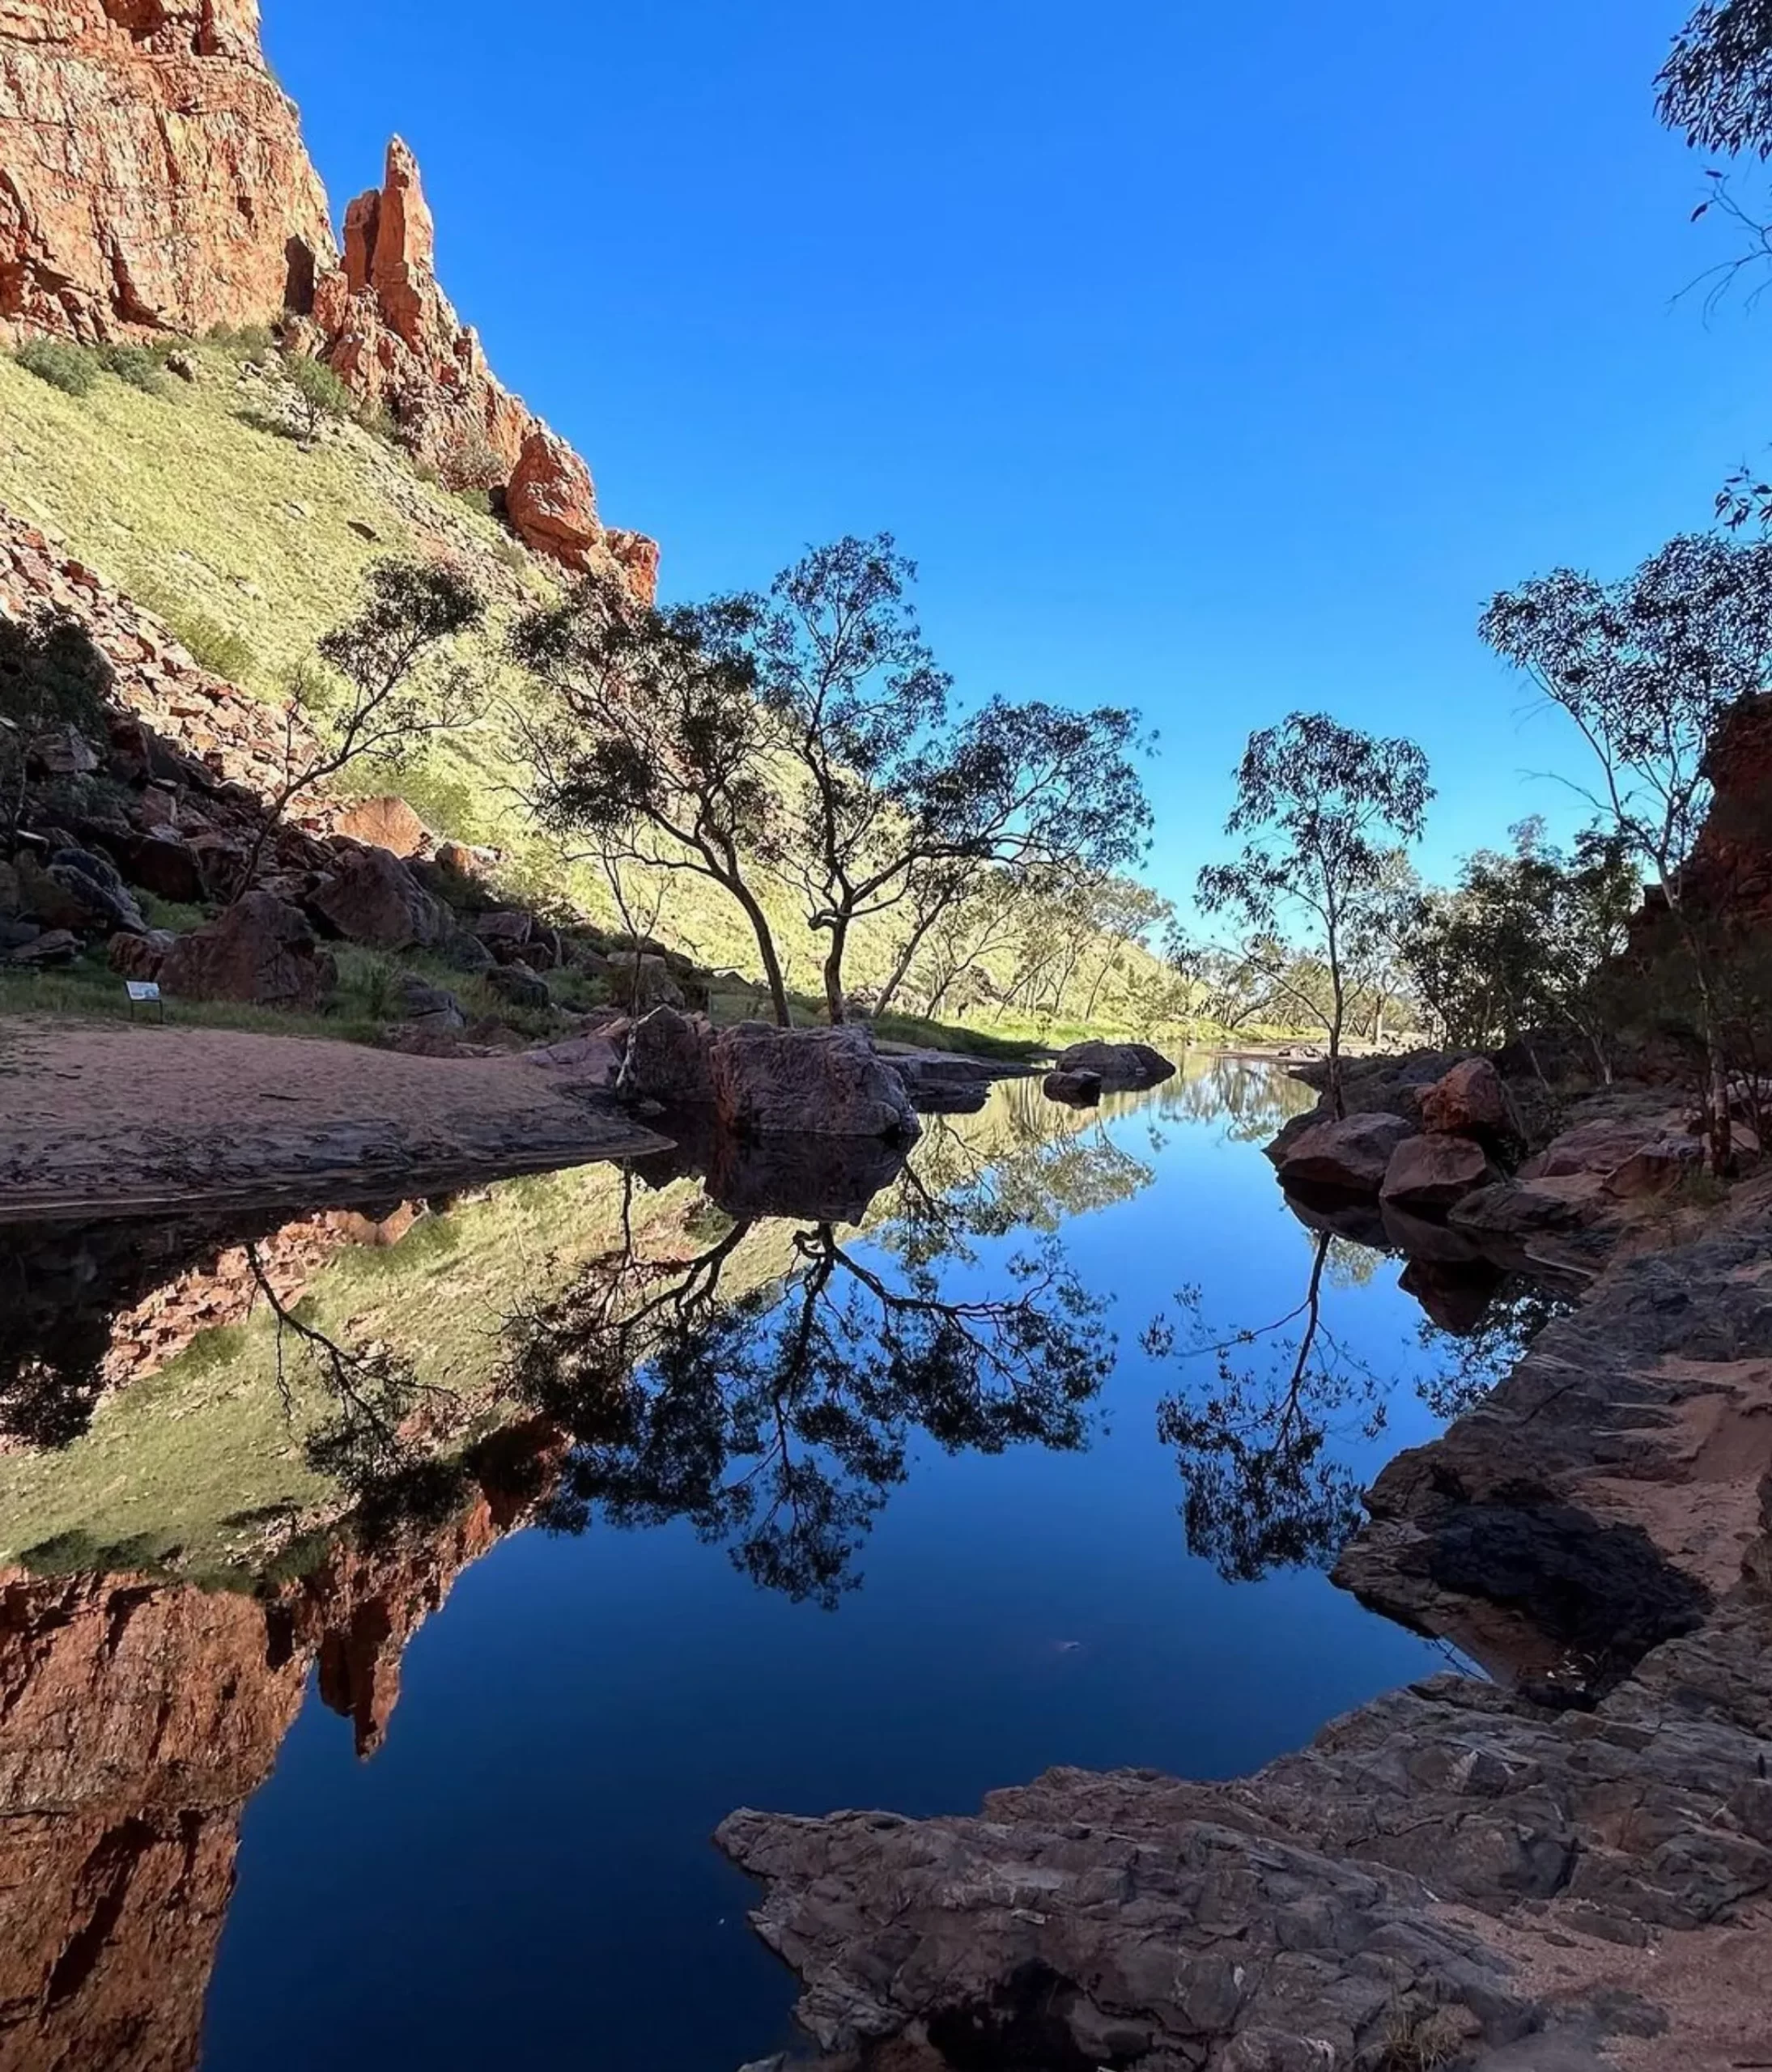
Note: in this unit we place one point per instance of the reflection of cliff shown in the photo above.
(136, 1720)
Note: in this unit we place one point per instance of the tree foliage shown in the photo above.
(1716, 85)
(1325, 810)
(395, 683)
(652, 740)
(52, 674)
(1523, 939)
(891, 790)
(1646, 669)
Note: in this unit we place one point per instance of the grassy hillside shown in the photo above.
(190, 498)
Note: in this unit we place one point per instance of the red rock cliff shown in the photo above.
(152, 172)
(153, 179)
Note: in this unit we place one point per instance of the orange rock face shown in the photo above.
(153, 179)
(385, 325)
(152, 173)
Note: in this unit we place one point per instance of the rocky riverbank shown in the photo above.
(1570, 1867)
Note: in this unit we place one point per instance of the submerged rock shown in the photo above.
(1074, 1089)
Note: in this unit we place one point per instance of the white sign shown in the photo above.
(143, 989)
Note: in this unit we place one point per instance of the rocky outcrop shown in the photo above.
(819, 1082)
(382, 323)
(1365, 1903)
(153, 180)
(1607, 1494)
(260, 952)
(152, 172)
(372, 897)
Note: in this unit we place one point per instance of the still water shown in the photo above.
(1043, 1465)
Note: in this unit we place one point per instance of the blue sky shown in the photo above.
(1220, 361)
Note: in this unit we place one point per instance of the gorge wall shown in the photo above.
(154, 181)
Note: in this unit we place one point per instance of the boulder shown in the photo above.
(462, 952)
(1434, 1172)
(15, 935)
(61, 751)
(1524, 1209)
(1471, 1102)
(421, 1005)
(260, 951)
(1656, 1167)
(372, 897)
(140, 956)
(79, 891)
(641, 981)
(587, 1061)
(54, 946)
(386, 823)
(510, 925)
(550, 502)
(1352, 1155)
(820, 1082)
(1075, 1090)
(669, 1059)
(1119, 1066)
(518, 986)
(166, 867)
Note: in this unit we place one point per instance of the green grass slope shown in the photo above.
(188, 498)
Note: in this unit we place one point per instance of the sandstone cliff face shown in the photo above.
(152, 173)
(153, 179)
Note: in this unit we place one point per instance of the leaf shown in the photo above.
(1697, 212)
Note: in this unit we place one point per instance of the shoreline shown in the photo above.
(111, 1119)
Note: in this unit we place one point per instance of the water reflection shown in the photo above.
(778, 1420)
(335, 1415)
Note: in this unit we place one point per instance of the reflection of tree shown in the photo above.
(1252, 1448)
(374, 1442)
(778, 1422)
(1247, 1097)
(1488, 1352)
(954, 1193)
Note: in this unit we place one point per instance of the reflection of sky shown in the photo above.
(522, 1875)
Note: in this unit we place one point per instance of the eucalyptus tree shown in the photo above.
(1325, 810)
(650, 739)
(1523, 939)
(891, 790)
(53, 673)
(396, 682)
(1645, 667)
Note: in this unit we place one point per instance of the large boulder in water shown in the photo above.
(1121, 1066)
(1349, 1156)
(372, 897)
(260, 951)
(1433, 1172)
(812, 1082)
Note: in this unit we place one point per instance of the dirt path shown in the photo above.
(97, 1116)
